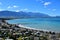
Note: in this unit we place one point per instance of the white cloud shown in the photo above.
(17, 10)
(47, 3)
(1, 9)
(15, 6)
(25, 9)
(12, 7)
(9, 7)
(44, 3)
(21, 10)
(53, 9)
(0, 3)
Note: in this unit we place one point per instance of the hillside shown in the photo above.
(21, 14)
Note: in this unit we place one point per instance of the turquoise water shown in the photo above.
(51, 24)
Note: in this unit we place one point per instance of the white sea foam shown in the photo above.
(23, 26)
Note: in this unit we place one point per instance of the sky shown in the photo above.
(50, 7)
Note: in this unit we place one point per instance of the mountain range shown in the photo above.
(21, 14)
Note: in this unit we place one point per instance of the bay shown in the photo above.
(51, 24)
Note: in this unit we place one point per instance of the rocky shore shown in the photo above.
(15, 32)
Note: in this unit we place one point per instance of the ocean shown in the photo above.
(50, 24)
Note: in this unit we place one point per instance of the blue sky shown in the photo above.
(50, 7)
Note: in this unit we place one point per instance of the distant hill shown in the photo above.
(57, 16)
(21, 14)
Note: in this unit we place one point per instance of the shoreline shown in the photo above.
(20, 25)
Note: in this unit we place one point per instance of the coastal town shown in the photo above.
(14, 32)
